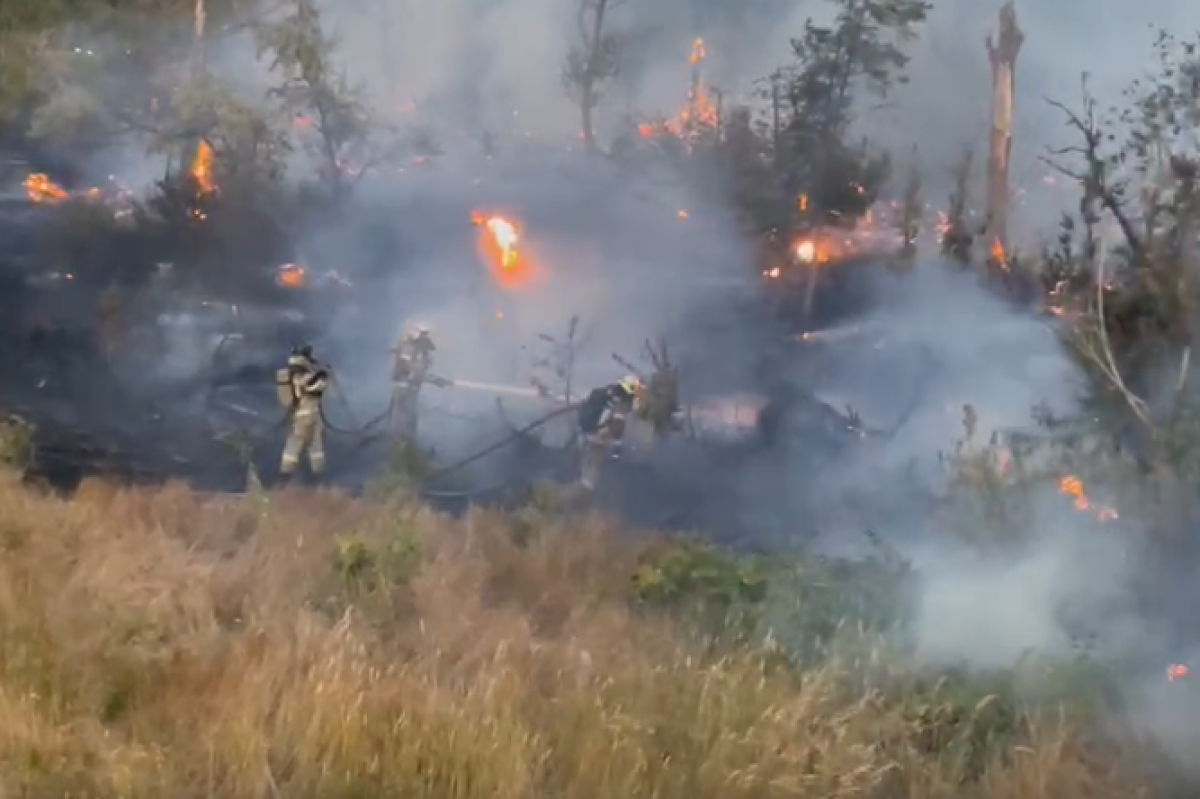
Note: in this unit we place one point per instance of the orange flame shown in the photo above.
(501, 245)
(1177, 671)
(291, 276)
(41, 189)
(700, 111)
(1073, 487)
(202, 168)
(998, 253)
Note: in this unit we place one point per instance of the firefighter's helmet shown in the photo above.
(631, 384)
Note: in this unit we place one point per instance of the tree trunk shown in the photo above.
(586, 105)
(195, 70)
(1002, 54)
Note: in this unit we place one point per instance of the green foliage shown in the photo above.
(860, 53)
(409, 469)
(364, 566)
(16, 443)
(333, 110)
(719, 592)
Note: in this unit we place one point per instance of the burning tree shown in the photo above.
(592, 63)
(702, 113)
(1126, 278)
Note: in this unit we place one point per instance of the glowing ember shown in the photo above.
(998, 253)
(1073, 487)
(202, 169)
(684, 215)
(501, 245)
(291, 276)
(806, 251)
(1177, 671)
(41, 189)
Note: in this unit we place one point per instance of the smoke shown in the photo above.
(609, 250)
(945, 107)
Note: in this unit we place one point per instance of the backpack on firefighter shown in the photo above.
(600, 402)
(299, 362)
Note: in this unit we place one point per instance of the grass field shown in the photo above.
(159, 644)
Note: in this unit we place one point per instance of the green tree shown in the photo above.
(335, 121)
(860, 56)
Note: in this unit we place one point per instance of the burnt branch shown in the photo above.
(1094, 176)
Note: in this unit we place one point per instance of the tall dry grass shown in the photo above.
(157, 643)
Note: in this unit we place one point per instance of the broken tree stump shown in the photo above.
(1002, 53)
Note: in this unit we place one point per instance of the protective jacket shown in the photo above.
(605, 410)
(302, 384)
(414, 358)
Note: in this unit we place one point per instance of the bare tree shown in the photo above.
(592, 63)
(1002, 53)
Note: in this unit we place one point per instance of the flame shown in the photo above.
(501, 245)
(1177, 671)
(291, 276)
(202, 169)
(998, 253)
(1073, 487)
(700, 112)
(41, 189)
(802, 203)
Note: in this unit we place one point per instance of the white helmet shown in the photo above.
(632, 384)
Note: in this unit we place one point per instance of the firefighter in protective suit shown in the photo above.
(602, 418)
(413, 358)
(301, 386)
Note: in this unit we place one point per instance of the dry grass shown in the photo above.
(307, 645)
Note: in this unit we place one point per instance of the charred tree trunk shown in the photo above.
(586, 121)
(587, 106)
(195, 71)
(1002, 53)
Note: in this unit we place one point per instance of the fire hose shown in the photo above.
(365, 435)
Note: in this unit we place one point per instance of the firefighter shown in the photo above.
(413, 358)
(602, 418)
(301, 386)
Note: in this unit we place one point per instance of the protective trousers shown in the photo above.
(594, 449)
(406, 396)
(308, 435)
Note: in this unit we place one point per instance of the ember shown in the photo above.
(1177, 671)
(1073, 487)
(291, 276)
